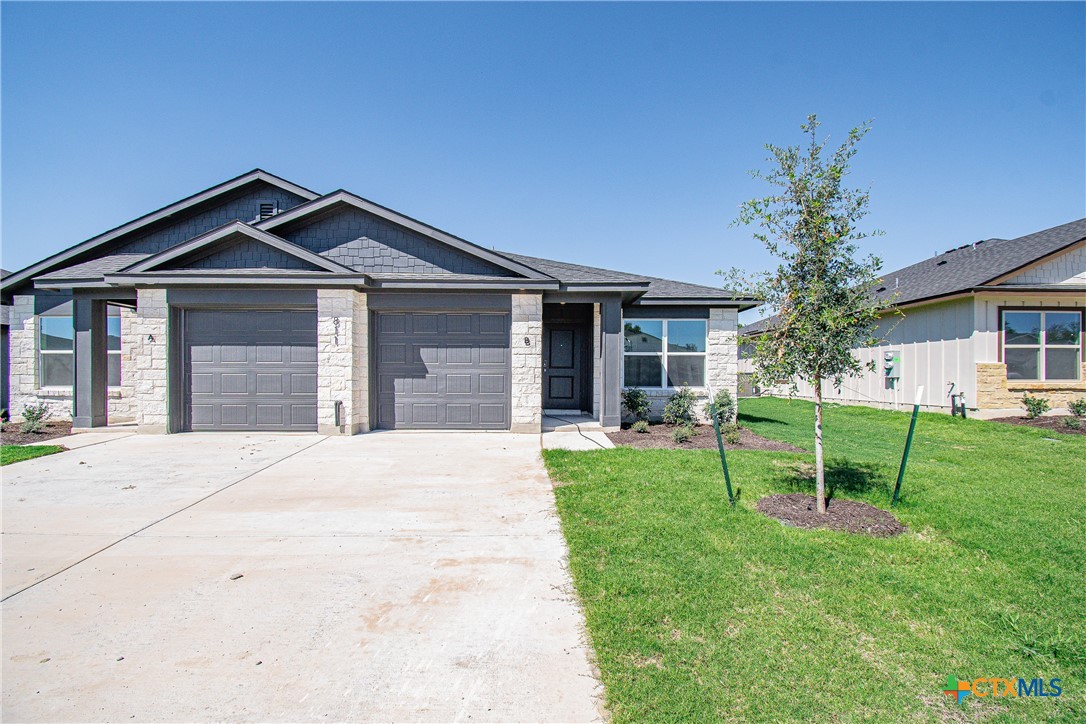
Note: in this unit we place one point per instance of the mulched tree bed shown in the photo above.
(1053, 423)
(798, 510)
(659, 436)
(11, 434)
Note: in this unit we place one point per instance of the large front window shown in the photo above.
(56, 347)
(1042, 344)
(664, 353)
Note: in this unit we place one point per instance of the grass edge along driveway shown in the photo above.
(17, 453)
(698, 612)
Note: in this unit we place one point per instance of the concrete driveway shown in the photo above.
(392, 576)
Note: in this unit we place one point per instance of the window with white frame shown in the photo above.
(1042, 344)
(664, 353)
(56, 347)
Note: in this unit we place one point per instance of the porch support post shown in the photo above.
(611, 359)
(91, 360)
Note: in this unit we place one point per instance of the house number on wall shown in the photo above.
(527, 341)
(335, 327)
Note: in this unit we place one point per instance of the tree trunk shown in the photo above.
(820, 471)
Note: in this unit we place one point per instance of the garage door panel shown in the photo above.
(441, 380)
(250, 370)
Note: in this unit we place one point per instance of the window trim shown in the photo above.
(664, 353)
(37, 343)
(1081, 346)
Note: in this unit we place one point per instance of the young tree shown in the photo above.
(823, 293)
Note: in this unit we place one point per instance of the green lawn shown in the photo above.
(698, 612)
(17, 453)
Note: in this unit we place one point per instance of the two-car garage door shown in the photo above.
(257, 370)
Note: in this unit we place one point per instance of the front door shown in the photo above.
(563, 358)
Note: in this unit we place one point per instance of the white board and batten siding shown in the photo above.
(935, 343)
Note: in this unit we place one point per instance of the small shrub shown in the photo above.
(34, 417)
(679, 409)
(1035, 406)
(1077, 407)
(640, 426)
(725, 408)
(1072, 423)
(682, 433)
(730, 434)
(636, 403)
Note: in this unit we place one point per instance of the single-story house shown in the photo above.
(991, 321)
(258, 304)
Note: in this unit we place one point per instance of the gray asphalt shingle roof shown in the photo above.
(968, 267)
(658, 288)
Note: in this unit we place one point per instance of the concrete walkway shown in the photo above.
(406, 577)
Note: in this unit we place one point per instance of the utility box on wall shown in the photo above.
(891, 365)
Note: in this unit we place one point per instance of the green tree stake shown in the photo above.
(720, 446)
(908, 444)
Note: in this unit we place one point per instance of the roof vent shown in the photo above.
(267, 209)
(940, 263)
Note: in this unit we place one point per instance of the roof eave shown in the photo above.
(238, 279)
(27, 273)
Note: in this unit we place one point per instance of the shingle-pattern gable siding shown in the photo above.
(364, 242)
(247, 254)
(245, 208)
(1069, 268)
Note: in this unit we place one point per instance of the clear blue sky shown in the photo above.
(617, 135)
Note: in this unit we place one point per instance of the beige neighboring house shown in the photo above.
(981, 324)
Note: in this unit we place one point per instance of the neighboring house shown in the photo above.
(990, 321)
(261, 305)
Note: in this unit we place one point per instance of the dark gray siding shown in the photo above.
(244, 207)
(362, 241)
(247, 254)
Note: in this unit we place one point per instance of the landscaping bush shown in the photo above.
(640, 426)
(1072, 423)
(34, 417)
(679, 409)
(682, 433)
(725, 408)
(1035, 406)
(730, 434)
(636, 403)
(1077, 407)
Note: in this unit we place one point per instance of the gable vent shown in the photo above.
(268, 209)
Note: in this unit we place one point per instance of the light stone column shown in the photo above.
(722, 353)
(526, 335)
(23, 364)
(147, 339)
(342, 361)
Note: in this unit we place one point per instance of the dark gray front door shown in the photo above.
(443, 370)
(562, 367)
(250, 370)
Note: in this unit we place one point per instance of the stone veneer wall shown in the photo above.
(23, 363)
(23, 372)
(122, 405)
(995, 392)
(147, 341)
(721, 363)
(527, 362)
(342, 361)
